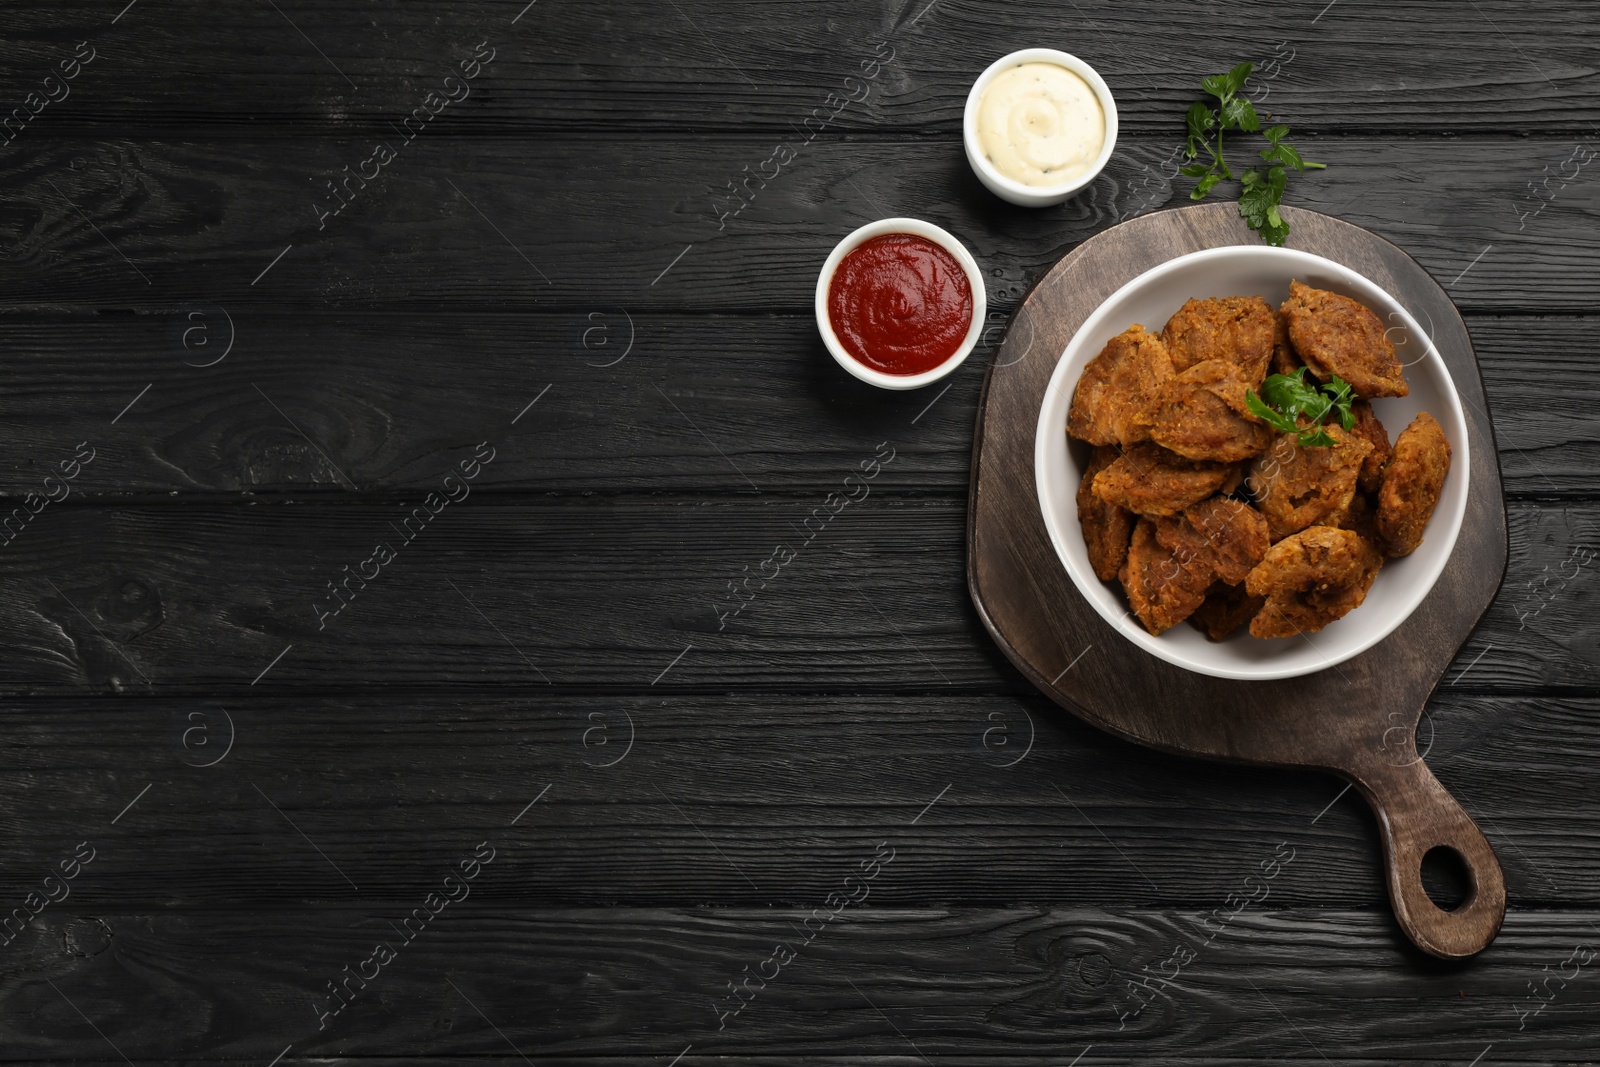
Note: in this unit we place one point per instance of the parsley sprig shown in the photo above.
(1261, 188)
(1289, 398)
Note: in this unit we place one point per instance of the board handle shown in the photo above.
(1415, 815)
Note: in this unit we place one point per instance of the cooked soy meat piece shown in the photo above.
(1118, 389)
(1284, 359)
(1320, 557)
(1310, 579)
(1223, 537)
(1202, 415)
(1336, 335)
(1106, 527)
(1368, 427)
(1339, 601)
(1160, 590)
(1412, 484)
(1238, 329)
(1297, 486)
(1226, 608)
(1149, 480)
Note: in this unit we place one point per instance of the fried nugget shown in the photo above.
(1118, 389)
(1336, 335)
(1298, 486)
(1149, 480)
(1339, 601)
(1161, 591)
(1106, 527)
(1202, 415)
(1367, 426)
(1238, 329)
(1226, 608)
(1310, 579)
(1284, 359)
(1412, 484)
(1224, 537)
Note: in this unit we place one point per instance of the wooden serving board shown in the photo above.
(1362, 731)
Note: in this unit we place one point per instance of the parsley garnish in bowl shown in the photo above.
(1287, 398)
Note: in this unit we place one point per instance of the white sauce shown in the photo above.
(1040, 124)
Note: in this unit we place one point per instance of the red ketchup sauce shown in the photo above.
(900, 304)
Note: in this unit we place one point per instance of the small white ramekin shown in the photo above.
(1009, 188)
(916, 227)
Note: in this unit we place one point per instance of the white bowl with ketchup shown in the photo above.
(900, 303)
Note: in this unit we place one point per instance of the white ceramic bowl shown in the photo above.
(980, 303)
(1009, 188)
(1150, 300)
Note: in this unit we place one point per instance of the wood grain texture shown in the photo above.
(630, 396)
(1364, 64)
(585, 223)
(618, 509)
(1029, 605)
(605, 591)
(962, 984)
(736, 799)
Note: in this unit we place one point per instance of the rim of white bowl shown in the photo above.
(1128, 627)
(918, 228)
(969, 119)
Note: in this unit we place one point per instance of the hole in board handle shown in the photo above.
(1446, 878)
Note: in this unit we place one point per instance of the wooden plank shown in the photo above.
(630, 396)
(585, 224)
(601, 592)
(273, 801)
(953, 984)
(601, 67)
(1541, 446)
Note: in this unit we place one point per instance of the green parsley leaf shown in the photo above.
(1239, 75)
(1274, 230)
(1260, 195)
(1224, 86)
(1284, 391)
(1258, 204)
(1343, 397)
(1288, 155)
(1316, 406)
(1240, 114)
(1200, 119)
(1275, 419)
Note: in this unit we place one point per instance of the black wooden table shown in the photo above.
(401, 401)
